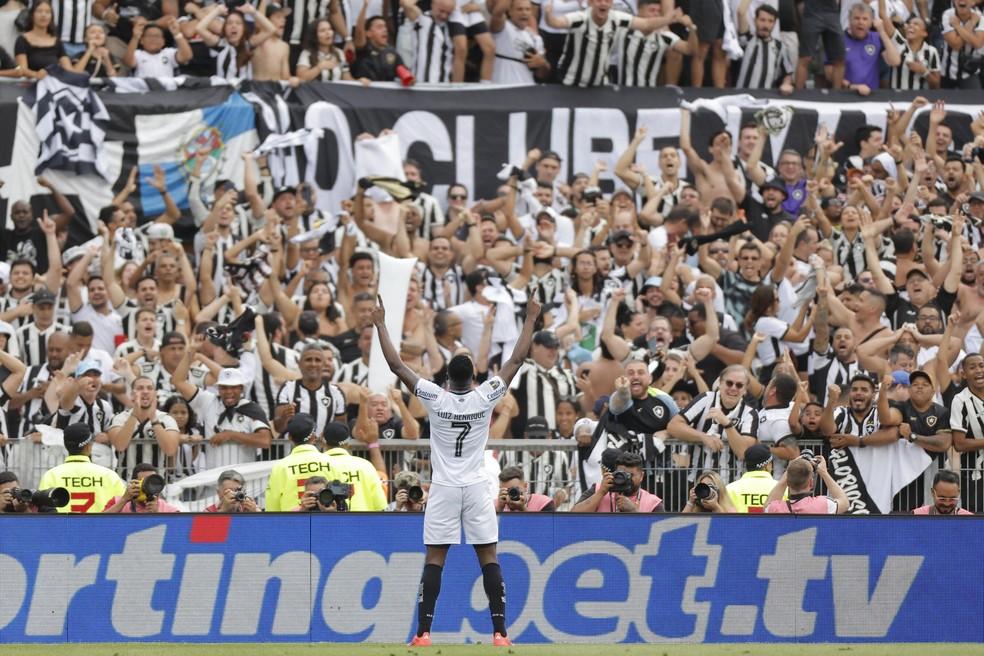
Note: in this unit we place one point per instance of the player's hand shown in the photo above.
(533, 307)
(379, 312)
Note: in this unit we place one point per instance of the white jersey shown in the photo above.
(459, 430)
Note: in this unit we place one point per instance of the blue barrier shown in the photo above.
(570, 578)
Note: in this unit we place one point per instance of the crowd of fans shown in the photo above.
(746, 44)
(694, 333)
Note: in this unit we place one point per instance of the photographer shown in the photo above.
(311, 498)
(410, 496)
(515, 497)
(8, 502)
(289, 473)
(946, 496)
(620, 489)
(142, 494)
(708, 495)
(800, 478)
(232, 497)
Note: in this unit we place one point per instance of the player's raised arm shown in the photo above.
(522, 347)
(396, 365)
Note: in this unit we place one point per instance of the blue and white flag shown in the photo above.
(226, 131)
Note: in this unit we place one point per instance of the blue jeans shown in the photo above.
(74, 50)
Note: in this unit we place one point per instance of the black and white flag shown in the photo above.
(67, 119)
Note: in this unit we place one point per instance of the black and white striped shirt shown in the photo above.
(763, 65)
(128, 315)
(8, 302)
(698, 416)
(967, 416)
(71, 17)
(33, 343)
(445, 290)
(536, 393)
(302, 13)
(265, 388)
(97, 416)
(588, 47)
(849, 253)
(847, 424)
(952, 59)
(641, 57)
(143, 450)
(23, 424)
(902, 77)
(323, 403)
(826, 370)
(433, 48)
(431, 213)
(355, 372)
(155, 371)
(227, 62)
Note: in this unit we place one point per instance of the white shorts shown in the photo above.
(451, 508)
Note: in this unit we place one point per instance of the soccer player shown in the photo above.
(459, 493)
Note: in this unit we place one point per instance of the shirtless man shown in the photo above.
(271, 61)
(717, 178)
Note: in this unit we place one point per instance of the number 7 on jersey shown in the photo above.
(459, 441)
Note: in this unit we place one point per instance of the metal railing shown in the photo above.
(549, 466)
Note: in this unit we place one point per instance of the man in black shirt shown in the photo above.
(730, 345)
(375, 59)
(925, 424)
(762, 217)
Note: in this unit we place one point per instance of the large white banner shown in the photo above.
(394, 281)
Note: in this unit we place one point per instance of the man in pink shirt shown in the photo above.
(136, 499)
(620, 489)
(946, 496)
(801, 478)
(514, 495)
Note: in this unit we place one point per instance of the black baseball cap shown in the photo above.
(771, 184)
(173, 338)
(757, 456)
(77, 435)
(336, 432)
(546, 338)
(300, 428)
(919, 373)
(609, 458)
(619, 235)
(977, 197)
(282, 190)
(537, 427)
(916, 272)
(43, 297)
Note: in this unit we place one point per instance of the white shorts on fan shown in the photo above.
(451, 508)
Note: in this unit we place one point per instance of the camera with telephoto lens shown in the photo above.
(44, 500)
(230, 337)
(621, 482)
(704, 491)
(415, 493)
(337, 493)
(515, 494)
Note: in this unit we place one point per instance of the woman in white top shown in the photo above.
(761, 318)
(234, 49)
(320, 59)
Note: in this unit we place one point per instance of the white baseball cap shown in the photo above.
(231, 378)
(160, 231)
(6, 329)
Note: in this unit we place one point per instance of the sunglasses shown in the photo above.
(718, 251)
(458, 197)
(736, 385)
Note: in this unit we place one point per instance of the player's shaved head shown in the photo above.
(461, 372)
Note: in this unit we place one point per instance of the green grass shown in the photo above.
(256, 649)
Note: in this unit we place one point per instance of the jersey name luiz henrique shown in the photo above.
(459, 430)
